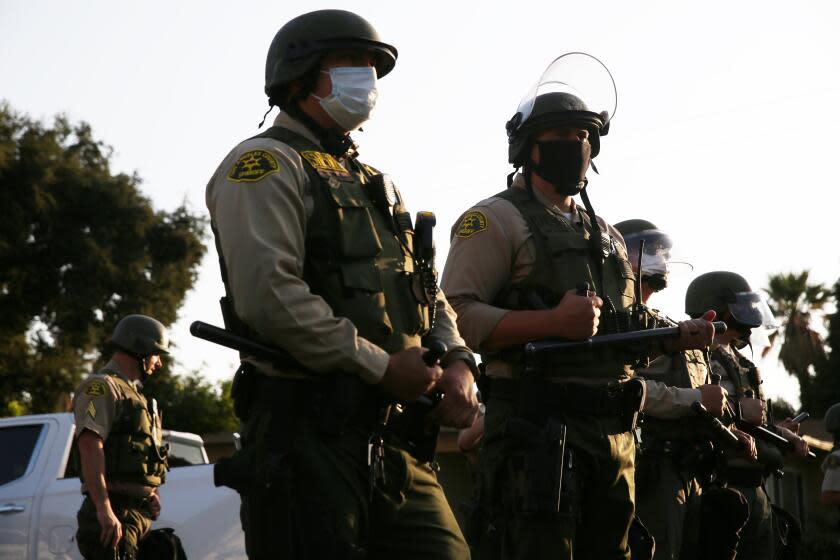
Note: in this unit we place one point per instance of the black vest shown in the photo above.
(359, 258)
(564, 259)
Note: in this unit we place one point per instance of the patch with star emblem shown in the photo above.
(472, 223)
(91, 410)
(95, 389)
(253, 166)
(325, 164)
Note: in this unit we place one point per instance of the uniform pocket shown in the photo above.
(357, 233)
(364, 303)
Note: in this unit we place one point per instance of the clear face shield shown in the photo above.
(581, 75)
(750, 309)
(656, 254)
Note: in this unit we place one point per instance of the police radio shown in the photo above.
(424, 256)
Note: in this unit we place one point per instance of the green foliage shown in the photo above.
(793, 300)
(791, 293)
(80, 247)
(191, 404)
(825, 389)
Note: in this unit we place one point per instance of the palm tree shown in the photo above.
(793, 300)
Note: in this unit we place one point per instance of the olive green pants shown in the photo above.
(136, 522)
(668, 503)
(320, 504)
(758, 536)
(596, 504)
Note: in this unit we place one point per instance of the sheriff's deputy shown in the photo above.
(118, 439)
(322, 260)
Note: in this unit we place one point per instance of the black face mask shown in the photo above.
(657, 282)
(564, 164)
(744, 330)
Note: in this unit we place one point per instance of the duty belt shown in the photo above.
(126, 489)
(669, 447)
(747, 478)
(565, 397)
(343, 402)
(352, 399)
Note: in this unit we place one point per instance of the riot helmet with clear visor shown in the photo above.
(750, 310)
(656, 251)
(728, 292)
(656, 256)
(576, 88)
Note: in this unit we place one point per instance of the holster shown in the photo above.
(263, 460)
(543, 463)
(724, 512)
(788, 534)
(241, 390)
(632, 399)
(641, 542)
(411, 430)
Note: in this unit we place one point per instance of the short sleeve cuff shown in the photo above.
(93, 427)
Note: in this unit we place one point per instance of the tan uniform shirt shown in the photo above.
(262, 227)
(831, 472)
(664, 401)
(94, 404)
(492, 248)
(94, 409)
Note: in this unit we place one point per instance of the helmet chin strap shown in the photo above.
(141, 363)
(657, 282)
(270, 107)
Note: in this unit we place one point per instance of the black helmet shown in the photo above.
(656, 259)
(576, 88)
(140, 336)
(302, 41)
(725, 291)
(832, 419)
(628, 227)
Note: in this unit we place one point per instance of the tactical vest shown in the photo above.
(563, 260)
(359, 253)
(744, 376)
(739, 371)
(133, 449)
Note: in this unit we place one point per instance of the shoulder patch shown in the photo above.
(96, 389)
(253, 166)
(91, 410)
(472, 223)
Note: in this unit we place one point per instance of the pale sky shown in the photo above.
(724, 134)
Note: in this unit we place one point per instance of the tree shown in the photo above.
(825, 388)
(191, 404)
(80, 247)
(793, 300)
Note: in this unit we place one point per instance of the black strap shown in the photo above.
(595, 243)
(731, 369)
(563, 398)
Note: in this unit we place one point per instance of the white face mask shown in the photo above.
(353, 95)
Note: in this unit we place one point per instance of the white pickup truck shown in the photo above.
(39, 495)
